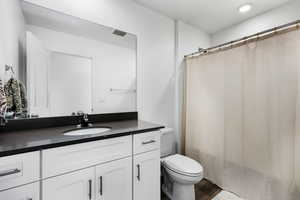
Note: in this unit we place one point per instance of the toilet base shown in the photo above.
(183, 192)
(167, 192)
(180, 192)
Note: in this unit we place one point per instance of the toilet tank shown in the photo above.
(168, 142)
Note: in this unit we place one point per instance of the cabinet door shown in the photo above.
(78, 185)
(26, 192)
(147, 176)
(114, 180)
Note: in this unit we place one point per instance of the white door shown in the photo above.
(114, 180)
(147, 176)
(26, 192)
(37, 76)
(78, 185)
(70, 84)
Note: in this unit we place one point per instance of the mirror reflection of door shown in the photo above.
(37, 76)
(70, 86)
(58, 83)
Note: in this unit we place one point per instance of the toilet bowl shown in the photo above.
(182, 173)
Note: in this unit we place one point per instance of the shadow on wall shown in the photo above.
(163, 105)
(12, 36)
(22, 59)
(181, 105)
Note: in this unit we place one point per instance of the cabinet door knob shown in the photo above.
(90, 189)
(101, 185)
(138, 172)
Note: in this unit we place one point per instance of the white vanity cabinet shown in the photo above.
(126, 167)
(146, 163)
(26, 192)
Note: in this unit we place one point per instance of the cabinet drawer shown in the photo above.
(26, 192)
(146, 142)
(19, 169)
(69, 158)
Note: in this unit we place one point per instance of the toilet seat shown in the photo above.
(183, 165)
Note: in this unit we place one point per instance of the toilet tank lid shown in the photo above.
(183, 164)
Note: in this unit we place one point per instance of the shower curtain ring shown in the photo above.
(257, 37)
(245, 41)
(275, 31)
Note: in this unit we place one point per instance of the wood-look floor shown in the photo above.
(205, 190)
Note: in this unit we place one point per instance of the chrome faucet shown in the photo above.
(83, 120)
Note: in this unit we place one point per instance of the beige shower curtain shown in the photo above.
(243, 117)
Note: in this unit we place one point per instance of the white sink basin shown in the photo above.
(87, 131)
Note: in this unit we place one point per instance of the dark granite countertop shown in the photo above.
(38, 139)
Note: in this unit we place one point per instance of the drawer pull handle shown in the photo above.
(138, 172)
(90, 189)
(9, 172)
(149, 142)
(101, 185)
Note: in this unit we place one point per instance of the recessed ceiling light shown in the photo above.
(245, 8)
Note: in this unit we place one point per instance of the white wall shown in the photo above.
(287, 13)
(188, 40)
(156, 59)
(12, 36)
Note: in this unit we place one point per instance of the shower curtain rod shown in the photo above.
(258, 36)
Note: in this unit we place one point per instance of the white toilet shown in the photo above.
(180, 173)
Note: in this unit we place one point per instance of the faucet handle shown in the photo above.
(85, 117)
(80, 113)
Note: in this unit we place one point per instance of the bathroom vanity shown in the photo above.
(73, 68)
(44, 164)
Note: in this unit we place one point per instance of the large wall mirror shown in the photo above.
(54, 64)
